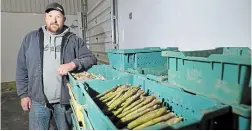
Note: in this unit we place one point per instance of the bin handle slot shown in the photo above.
(192, 93)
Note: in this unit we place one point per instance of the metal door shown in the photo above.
(101, 31)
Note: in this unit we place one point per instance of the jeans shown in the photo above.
(40, 115)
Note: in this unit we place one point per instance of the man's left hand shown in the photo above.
(65, 68)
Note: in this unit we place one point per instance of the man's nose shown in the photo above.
(54, 20)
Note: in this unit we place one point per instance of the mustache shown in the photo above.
(54, 24)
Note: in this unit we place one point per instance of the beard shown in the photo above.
(54, 28)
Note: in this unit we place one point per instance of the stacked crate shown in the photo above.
(219, 78)
(222, 74)
(146, 61)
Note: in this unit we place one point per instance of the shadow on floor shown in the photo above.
(12, 115)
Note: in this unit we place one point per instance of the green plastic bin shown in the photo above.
(74, 122)
(105, 70)
(77, 125)
(137, 58)
(157, 73)
(223, 74)
(184, 104)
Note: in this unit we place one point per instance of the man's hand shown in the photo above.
(26, 103)
(65, 68)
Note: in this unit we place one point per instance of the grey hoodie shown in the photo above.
(29, 70)
(52, 48)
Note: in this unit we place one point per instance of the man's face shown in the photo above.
(54, 21)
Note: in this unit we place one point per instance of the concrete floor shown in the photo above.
(12, 115)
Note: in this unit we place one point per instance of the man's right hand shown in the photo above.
(26, 103)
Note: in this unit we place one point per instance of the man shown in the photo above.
(44, 60)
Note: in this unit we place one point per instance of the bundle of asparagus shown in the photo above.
(87, 76)
(130, 106)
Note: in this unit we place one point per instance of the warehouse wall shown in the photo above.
(37, 6)
(14, 26)
(188, 24)
(100, 31)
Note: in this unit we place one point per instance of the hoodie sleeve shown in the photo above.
(21, 71)
(85, 58)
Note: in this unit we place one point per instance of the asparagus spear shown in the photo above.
(123, 103)
(174, 120)
(109, 98)
(147, 100)
(154, 102)
(131, 99)
(134, 104)
(106, 92)
(155, 121)
(128, 94)
(130, 117)
(118, 111)
(147, 117)
(121, 108)
(117, 96)
(106, 96)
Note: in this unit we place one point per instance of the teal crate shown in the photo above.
(74, 122)
(88, 125)
(241, 117)
(239, 51)
(137, 58)
(185, 104)
(233, 121)
(225, 77)
(244, 123)
(105, 70)
(223, 74)
(79, 126)
(157, 73)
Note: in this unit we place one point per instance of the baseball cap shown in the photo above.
(54, 6)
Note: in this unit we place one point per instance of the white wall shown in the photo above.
(187, 24)
(14, 26)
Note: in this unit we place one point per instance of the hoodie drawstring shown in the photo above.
(55, 48)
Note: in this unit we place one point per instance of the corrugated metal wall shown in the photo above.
(38, 6)
(101, 34)
(100, 23)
